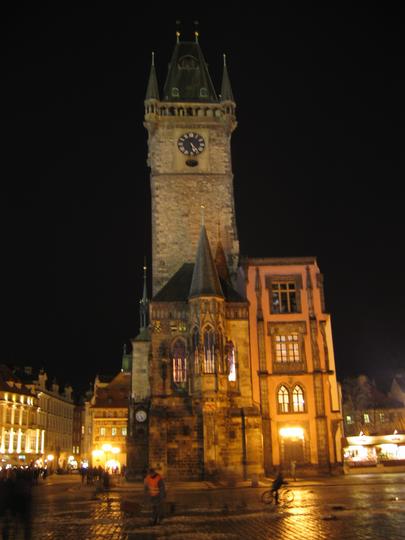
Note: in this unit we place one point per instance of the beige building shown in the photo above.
(293, 362)
(108, 417)
(55, 420)
(22, 439)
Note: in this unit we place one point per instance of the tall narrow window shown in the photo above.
(230, 354)
(179, 362)
(196, 340)
(287, 348)
(283, 398)
(283, 297)
(209, 351)
(298, 399)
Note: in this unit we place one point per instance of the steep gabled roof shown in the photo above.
(205, 280)
(188, 78)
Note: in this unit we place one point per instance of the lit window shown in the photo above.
(283, 297)
(102, 431)
(113, 431)
(230, 353)
(82, 430)
(179, 362)
(298, 399)
(283, 398)
(366, 418)
(287, 348)
(209, 351)
(349, 420)
(124, 431)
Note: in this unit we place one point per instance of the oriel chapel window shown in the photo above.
(179, 362)
(209, 350)
(230, 355)
(196, 339)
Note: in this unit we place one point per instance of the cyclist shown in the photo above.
(277, 483)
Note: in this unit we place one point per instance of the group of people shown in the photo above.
(16, 499)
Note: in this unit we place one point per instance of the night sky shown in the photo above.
(318, 162)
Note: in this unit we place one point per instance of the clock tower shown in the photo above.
(189, 155)
(193, 414)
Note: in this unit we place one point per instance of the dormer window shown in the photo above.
(175, 92)
(203, 92)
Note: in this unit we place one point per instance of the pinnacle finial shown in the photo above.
(178, 23)
(196, 33)
(153, 58)
(224, 57)
(202, 214)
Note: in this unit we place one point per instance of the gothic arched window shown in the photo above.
(179, 362)
(283, 399)
(209, 350)
(231, 361)
(298, 399)
(196, 342)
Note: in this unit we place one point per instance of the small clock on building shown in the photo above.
(140, 415)
(191, 144)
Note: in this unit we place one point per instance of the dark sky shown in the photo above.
(318, 162)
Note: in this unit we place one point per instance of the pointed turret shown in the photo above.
(220, 263)
(152, 91)
(226, 89)
(188, 78)
(143, 304)
(205, 281)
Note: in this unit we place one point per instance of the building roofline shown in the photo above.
(278, 261)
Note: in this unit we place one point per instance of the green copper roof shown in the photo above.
(188, 78)
(226, 89)
(205, 281)
(152, 90)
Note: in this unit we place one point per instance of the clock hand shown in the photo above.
(194, 148)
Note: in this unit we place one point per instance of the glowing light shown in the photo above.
(106, 447)
(115, 450)
(97, 453)
(292, 432)
(50, 457)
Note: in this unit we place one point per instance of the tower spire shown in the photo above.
(205, 280)
(152, 90)
(144, 302)
(226, 89)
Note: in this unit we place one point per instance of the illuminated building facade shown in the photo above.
(22, 440)
(108, 411)
(207, 371)
(55, 419)
(292, 355)
(374, 426)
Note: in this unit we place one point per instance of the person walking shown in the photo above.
(156, 491)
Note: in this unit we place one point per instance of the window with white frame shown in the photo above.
(298, 399)
(283, 398)
(287, 348)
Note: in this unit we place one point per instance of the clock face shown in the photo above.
(191, 144)
(140, 416)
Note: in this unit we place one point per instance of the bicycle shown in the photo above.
(285, 496)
